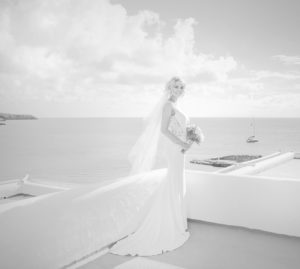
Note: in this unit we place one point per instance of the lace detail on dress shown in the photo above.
(177, 125)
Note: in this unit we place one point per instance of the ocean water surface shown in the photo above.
(87, 150)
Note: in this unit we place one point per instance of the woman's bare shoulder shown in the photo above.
(169, 108)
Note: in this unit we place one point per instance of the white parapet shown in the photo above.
(254, 202)
(25, 186)
(55, 229)
(247, 163)
(257, 167)
(9, 188)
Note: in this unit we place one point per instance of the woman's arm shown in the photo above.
(166, 115)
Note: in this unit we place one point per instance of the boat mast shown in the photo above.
(253, 125)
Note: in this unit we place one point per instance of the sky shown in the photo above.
(101, 58)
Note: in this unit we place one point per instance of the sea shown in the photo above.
(91, 150)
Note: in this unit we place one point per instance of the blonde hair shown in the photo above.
(171, 90)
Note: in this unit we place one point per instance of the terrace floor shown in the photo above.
(215, 246)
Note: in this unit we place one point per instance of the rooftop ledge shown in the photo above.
(74, 223)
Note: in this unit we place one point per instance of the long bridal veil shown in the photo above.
(143, 154)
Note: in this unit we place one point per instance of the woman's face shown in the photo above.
(178, 88)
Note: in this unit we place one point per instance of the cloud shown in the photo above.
(58, 46)
(288, 60)
(263, 74)
(95, 52)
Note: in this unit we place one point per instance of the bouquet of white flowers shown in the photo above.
(193, 134)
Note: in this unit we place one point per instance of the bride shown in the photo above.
(164, 225)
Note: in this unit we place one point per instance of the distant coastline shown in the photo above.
(7, 116)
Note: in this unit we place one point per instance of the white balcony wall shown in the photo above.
(56, 229)
(262, 203)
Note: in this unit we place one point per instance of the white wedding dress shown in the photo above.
(164, 224)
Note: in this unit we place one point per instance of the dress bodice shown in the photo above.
(178, 123)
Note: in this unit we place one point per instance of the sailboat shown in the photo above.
(252, 139)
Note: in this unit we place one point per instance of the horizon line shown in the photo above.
(141, 117)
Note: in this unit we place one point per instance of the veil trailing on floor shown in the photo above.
(143, 154)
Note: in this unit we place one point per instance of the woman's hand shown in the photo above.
(186, 146)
